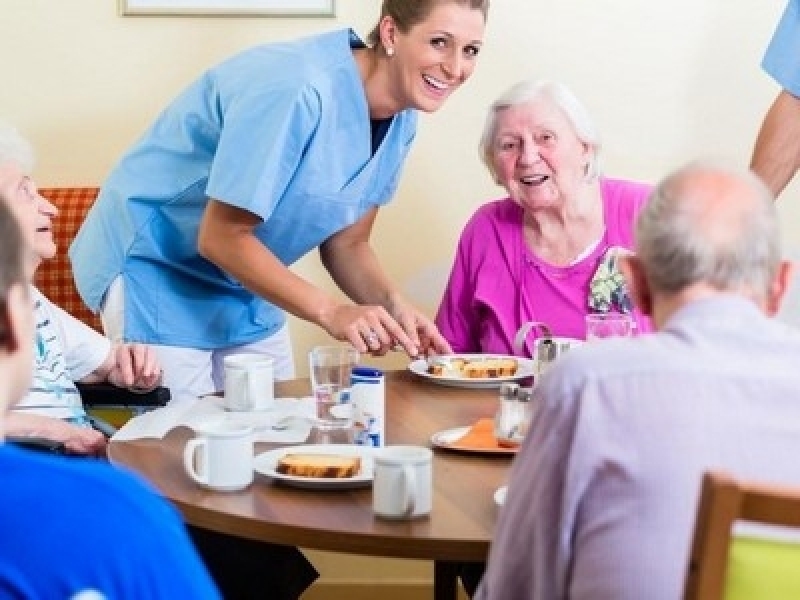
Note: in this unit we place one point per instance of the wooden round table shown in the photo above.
(458, 529)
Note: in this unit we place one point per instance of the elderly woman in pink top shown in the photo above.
(547, 251)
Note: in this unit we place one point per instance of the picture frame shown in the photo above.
(224, 8)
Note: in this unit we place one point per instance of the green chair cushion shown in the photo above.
(762, 569)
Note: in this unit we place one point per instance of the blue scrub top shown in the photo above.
(782, 59)
(281, 130)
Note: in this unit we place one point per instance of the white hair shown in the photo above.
(15, 148)
(680, 244)
(555, 93)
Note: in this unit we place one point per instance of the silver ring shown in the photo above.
(372, 337)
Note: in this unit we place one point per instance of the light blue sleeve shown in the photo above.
(782, 59)
(261, 146)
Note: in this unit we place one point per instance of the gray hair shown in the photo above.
(15, 148)
(555, 93)
(713, 224)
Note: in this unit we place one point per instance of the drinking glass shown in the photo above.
(330, 368)
(604, 325)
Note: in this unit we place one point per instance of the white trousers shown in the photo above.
(189, 372)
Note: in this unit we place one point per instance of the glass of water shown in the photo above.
(604, 325)
(330, 368)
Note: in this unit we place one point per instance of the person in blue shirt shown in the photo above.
(75, 528)
(776, 156)
(281, 149)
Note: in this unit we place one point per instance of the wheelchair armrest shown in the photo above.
(38, 444)
(99, 395)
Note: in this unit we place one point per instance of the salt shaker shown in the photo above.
(526, 408)
(508, 417)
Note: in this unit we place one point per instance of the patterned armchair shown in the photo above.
(54, 276)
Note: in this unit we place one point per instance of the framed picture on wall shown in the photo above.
(220, 8)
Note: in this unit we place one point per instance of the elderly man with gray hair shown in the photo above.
(602, 496)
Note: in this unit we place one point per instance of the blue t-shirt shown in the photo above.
(72, 526)
(281, 130)
(782, 59)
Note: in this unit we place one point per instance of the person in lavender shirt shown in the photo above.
(546, 252)
(603, 494)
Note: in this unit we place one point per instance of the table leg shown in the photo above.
(445, 580)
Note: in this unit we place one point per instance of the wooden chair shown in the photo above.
(738, 567)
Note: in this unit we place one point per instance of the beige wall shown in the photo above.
(665, 81)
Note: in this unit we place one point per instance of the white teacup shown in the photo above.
(403, 484)
(249, 382)
(221, 456)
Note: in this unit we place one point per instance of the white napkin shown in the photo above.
(209, 409)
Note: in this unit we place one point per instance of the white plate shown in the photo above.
(266, 462)
(500, 495)
(525, 368)
(446, 438)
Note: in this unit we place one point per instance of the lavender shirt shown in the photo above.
(497, 283)
(603, 494)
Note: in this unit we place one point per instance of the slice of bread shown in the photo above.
(443, 366)
(328, 466)
(490, 367)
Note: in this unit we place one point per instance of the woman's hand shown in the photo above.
(369, 329)
(420, 329)
(374, 330)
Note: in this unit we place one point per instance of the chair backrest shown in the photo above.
(54, 276)
(724, 565)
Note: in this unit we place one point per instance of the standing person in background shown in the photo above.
(547, 252)
(75, 528)
(776, 157)
(603, 493)
(279, 150)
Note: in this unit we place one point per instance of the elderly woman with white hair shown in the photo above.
(547, 251)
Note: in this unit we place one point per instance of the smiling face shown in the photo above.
(538, 157)
(33, 211)
(434, 57)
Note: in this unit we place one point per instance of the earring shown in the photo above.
(390, 51)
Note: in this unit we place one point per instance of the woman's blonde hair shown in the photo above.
(407, 13)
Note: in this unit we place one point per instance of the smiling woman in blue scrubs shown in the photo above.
(279, 150)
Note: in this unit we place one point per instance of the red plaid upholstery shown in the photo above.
(54, 276)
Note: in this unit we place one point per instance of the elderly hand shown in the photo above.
(135, 366)
(79, 440)
(76, 439)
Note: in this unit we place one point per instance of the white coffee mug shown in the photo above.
(249, 383)
(403, 484)
(221, 456)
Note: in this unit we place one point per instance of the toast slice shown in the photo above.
(491, 367)
(443, 366)
(329, 466)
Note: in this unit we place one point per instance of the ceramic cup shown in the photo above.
(249, 383)
(403, 484)
(221, 456)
